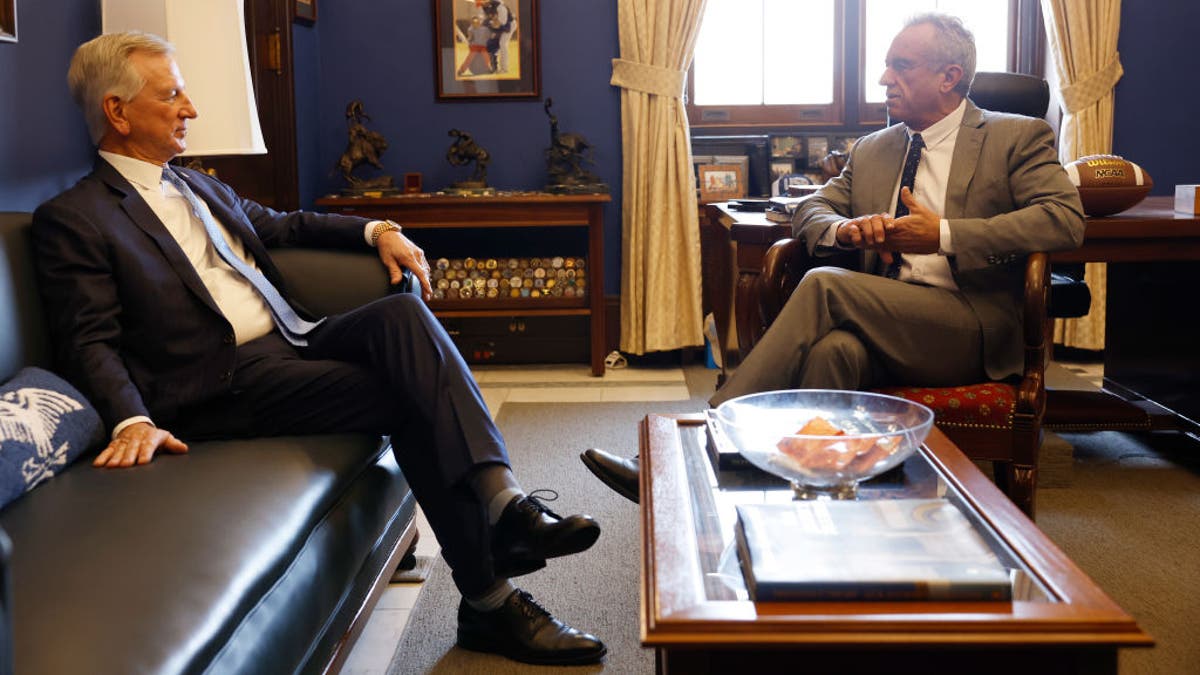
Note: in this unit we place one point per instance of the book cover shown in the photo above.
(883, 549)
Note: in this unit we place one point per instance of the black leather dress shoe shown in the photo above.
(521, 630)
(618, 473)
(528, 533)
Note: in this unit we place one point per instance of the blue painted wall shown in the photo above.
(44, 145)
(1155, 120)
(381, 51)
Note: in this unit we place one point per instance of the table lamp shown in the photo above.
(210, 48)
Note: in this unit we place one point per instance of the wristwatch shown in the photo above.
(381, 227)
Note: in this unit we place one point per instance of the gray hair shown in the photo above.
(954, 45)
(101, 67)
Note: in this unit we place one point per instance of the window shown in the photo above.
(788, 62)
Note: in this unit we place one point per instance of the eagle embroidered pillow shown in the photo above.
(45, 424)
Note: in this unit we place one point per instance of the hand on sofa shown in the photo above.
(136, 444)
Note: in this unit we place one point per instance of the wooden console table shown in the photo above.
(518, 212)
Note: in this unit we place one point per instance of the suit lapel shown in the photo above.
(965, 160)
(143, 216)
(890, 159)
(235, 222)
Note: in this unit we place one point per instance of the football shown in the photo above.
(1108, 184)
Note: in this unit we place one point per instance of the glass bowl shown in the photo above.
(824, 441)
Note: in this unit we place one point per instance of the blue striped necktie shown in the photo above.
(907, 176)
(291, 325)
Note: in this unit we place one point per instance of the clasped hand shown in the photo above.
(917, 232)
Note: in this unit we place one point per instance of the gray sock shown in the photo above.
(493, 597)
(494, 486)
(499, 502)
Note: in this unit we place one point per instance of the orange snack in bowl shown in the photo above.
(823, 453)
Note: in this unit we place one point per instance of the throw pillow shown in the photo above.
(45, 424)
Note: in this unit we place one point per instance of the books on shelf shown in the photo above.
(868, 550)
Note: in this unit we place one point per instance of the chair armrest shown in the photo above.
(330, 281)
(785, 263)
(1031, 395)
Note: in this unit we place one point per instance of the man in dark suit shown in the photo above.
(167, 312)
(945, 209)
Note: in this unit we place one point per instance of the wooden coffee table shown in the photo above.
(696, 614)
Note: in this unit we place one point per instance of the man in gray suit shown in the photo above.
(945, 208)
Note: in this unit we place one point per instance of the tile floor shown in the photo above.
(500, 384)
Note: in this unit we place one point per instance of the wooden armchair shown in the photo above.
(996, 421)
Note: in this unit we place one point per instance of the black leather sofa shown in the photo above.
(257, 556)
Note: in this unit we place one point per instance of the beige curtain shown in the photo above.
(660, 274)
(1083, 42)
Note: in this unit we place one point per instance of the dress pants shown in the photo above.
(387, 367)
(842, 329)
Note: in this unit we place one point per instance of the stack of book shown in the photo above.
(883, 550)
(781, 209)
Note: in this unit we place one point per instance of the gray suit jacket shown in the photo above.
(1008, 197)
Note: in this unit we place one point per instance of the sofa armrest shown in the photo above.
(328, 281)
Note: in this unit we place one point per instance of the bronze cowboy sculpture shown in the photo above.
(565, 159)
(463, 151)
(363, 147)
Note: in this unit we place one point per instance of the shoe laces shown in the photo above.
(530, 607)
(547, 495)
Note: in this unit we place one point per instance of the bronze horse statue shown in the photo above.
(362, 147)
(465, 150)
(567, 154)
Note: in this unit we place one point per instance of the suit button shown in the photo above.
(226, 375)
(228, 339)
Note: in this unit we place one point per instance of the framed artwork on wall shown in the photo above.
(719, 182)
(486, 49)
(8, 20)
(787, 146)
(305, 11)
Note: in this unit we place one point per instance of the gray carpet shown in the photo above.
(1130, 518)
(597, 590)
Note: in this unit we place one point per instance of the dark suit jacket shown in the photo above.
(133, 324)
(1008, 197)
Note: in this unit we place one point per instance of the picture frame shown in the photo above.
(8, 20)
(787, 146)
(844, 143)
(818, 147)
(486, 49)
(304, 11)
(721, 182)
(781, 167)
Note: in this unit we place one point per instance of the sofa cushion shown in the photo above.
(45, 424)
(228, 558)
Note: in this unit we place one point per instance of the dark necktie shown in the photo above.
(907, 176)
(291, 325)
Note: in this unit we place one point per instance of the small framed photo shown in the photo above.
(305, 11)
(818, 147)
(787, 146)
(486, 49)
(719, 182)
(8, 20)
(781, 168)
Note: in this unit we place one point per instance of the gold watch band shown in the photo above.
(381, 227)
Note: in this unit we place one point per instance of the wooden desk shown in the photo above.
(526, 213)
(698, 620)
(1152, 312)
